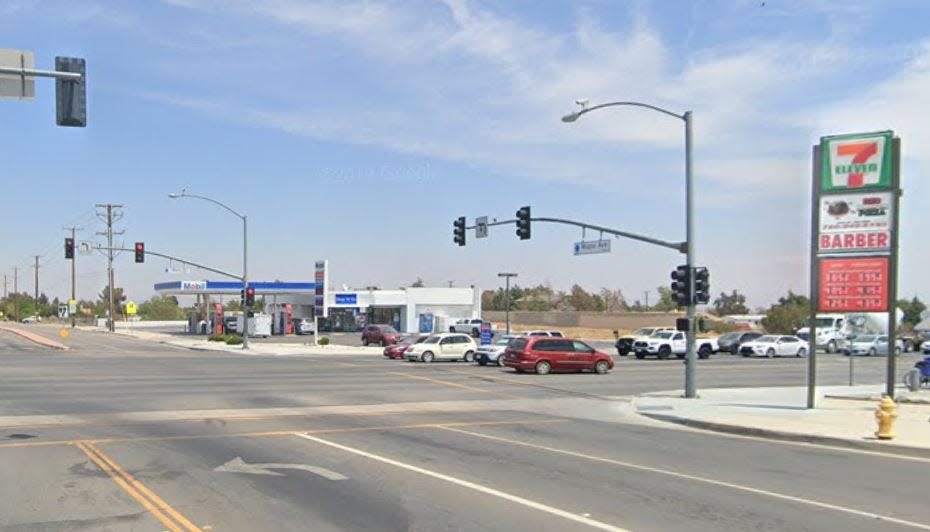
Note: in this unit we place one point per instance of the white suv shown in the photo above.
(445, 346)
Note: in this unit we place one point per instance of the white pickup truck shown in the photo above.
(472, 327)
(664, 344)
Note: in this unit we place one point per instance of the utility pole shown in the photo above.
(646, 294)
(112, 214)
(36, 301)
(507, 277)
(74, 231)
(4, 287)
(15, 292)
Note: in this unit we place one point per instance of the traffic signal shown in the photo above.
(523, 223)
(69, 248)
(140, 252)
(249, 297)
(701, 286)
(242, 297)
(681, 286)
(71, 94)
(458, 231)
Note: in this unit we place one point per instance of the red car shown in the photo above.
(544, 354)
(397, 350)
(380, 334)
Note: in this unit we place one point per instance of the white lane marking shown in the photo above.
(695, 478)
(238, 465)
(466, 484)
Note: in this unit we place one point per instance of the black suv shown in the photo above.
(731, 341)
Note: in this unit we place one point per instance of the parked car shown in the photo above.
(666, 343)
(397, 350)
(31, 319)
(544, 354)
(624, 344)
(445, 346)
(380, 334)
(772, 345)
(472, 327)
(926, 347)
(730, 342)
(491, 354)
(303, 326)
(557, 334)
(871, 345)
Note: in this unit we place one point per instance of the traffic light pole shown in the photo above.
(691, 357)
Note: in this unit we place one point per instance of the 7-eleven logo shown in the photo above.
(856, 161)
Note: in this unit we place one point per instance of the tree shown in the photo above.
(102, 307)
(666, 300)
(418, 283)
(735, 303)
(161, 308)
(580, 300)
(912, 310)
(613, 300)
(788, 315)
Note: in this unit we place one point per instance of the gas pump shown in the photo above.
(288, 319)
(218, 318)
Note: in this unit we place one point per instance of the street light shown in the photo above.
(245, 254)
(507, 277)
(691, 361)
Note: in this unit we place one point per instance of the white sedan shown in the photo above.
(487, 354)
(771, 345)
(446, 346)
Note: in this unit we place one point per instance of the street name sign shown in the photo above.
(592, 247)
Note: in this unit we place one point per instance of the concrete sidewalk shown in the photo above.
(844, 415)
(200, 343)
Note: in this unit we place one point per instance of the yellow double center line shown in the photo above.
(144, 496)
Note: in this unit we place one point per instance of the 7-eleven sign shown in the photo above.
(861, 161)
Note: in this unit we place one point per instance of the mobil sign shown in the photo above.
(856, 162)
(855, 223)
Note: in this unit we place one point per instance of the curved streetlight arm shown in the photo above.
(574, 116)
(211, 200)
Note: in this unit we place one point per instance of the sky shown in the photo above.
(357, 131)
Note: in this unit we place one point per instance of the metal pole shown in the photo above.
(691, 360)
(814, 281)
(893, 267)
(245, 279)
(507, 295)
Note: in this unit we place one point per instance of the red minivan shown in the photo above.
(544, 354)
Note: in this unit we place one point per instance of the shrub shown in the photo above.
(324, 340)
(234, 340)
(216, 338)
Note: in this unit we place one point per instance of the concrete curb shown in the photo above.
(787, 436)
(35, 338)
(900, 399)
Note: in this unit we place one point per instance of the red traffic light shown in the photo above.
(140, 252)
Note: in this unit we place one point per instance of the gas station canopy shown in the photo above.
(190, 288)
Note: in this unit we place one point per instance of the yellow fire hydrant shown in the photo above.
(885, 415)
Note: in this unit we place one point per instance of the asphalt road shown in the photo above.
(116, 434)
